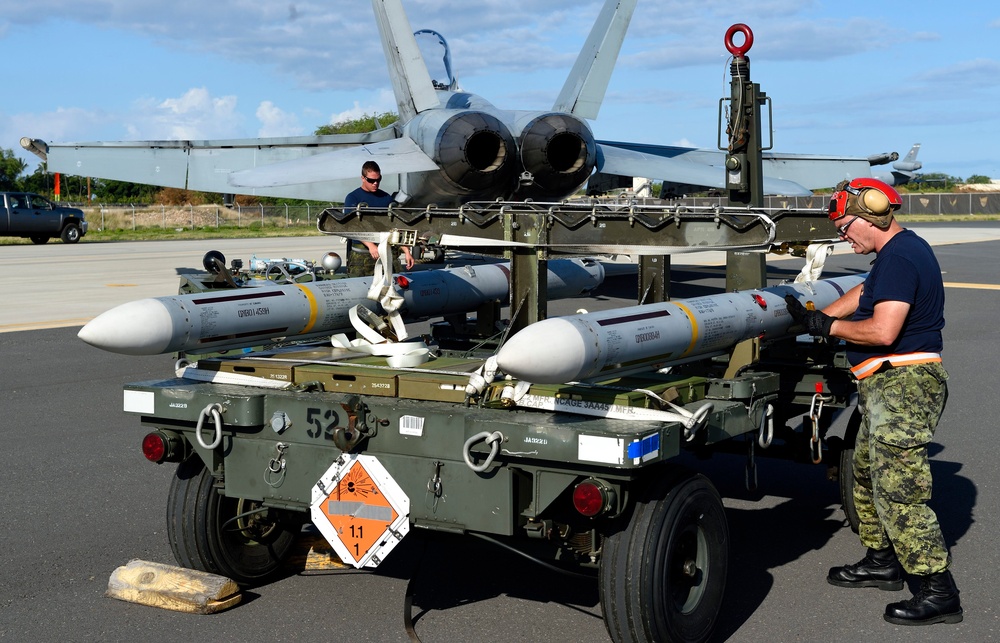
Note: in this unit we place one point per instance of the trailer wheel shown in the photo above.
(663, 572)
(845, 474)
(205, 534)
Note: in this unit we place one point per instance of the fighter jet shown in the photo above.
(448, 147)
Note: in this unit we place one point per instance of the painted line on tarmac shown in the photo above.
(57, 323)
(955, 284)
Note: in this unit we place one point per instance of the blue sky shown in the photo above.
(846, 78)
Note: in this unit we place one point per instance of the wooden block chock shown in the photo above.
(313, 554)
(172, 588)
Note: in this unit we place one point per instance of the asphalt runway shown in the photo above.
(79, 499)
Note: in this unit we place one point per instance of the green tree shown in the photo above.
(11, 169)
(39, 181)
(108, 191)
(936, 181)
(978, 178)
(366, 123)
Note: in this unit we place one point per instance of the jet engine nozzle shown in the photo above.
(560, 153)
(473, 149)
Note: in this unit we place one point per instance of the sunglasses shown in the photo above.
(370, 180)
(842, 229)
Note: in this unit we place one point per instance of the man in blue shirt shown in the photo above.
(362, 255)
(892, 325)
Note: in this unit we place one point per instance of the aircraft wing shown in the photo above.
(207, 165)
(395, 156)
(676, 168)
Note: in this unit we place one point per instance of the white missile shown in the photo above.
(587, 346)
(249, 316)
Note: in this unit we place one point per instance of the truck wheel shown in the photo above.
(205, 533)
(845, 475)
(663, 572)
(39, 240)
(70, 233)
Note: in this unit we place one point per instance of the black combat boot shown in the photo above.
(936, 602)
(879, 568)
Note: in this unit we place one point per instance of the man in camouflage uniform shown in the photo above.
(894, 347)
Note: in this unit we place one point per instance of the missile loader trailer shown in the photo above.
(584, 472)
(269, 440)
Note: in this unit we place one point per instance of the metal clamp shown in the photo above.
(493, 439)
(275, 473)
(277, 463)
(215, 410)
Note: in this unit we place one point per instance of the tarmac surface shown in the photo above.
(79, 499)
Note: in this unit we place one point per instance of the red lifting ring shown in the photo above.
(748, 39)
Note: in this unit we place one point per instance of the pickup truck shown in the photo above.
(23, 214)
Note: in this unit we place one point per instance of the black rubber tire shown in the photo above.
(39, 240)
(249, 551)
(70, 233)
(845, 474)
(663, 571)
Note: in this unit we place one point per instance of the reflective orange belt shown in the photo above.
(871, 366)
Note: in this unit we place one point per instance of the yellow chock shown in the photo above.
(313, 554)
(172, 588)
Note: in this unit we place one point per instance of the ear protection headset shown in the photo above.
(870, 199)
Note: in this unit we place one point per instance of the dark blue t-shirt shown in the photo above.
(376, 199)
(905, 270)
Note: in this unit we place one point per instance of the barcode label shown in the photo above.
(411, 425)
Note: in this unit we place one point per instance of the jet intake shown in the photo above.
(560, 153)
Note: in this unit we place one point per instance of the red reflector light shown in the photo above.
(760, 301)
(154, 447)
(402, 281)
(588, 498)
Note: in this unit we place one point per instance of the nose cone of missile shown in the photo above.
(552, 351)
(142, 327)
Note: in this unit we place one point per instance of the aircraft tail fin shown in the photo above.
(411, 82)
(909, 162)
(584, 90)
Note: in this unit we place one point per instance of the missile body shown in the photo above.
(248, 316)
(582, 347)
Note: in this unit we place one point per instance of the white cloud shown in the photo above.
(275, 122)
(380, 103)
(194, 115)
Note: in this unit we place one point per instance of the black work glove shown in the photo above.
(816, 323)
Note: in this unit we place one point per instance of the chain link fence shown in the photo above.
(137, 217)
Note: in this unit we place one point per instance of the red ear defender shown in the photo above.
(838, 204)
(874, 197)
(868, 198)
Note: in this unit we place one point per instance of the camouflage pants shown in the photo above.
(892, 477)
(361, 264)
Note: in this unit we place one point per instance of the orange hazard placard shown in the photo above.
(364, 514)
(358, 511)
